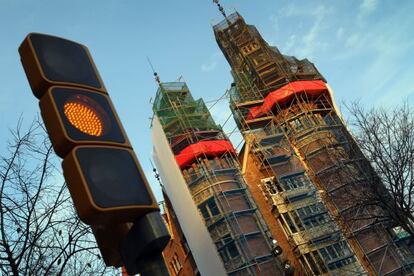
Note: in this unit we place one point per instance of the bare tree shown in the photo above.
(40, 233)
(386, 138)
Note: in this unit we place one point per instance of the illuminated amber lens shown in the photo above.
(84, 118)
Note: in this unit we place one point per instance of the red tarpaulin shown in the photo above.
(284, 94)
(203, 148)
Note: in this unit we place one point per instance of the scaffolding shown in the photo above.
(299, 208)
(312, 168)
(209, 165)
(183, 118)
(244, 49)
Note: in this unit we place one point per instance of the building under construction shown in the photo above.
(301, 164)
(202, 181)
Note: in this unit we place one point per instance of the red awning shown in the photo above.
(285, 93)
(210, 148)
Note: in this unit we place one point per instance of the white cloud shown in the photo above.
(274, 19)
(290, 43)
(340, 33)
(368, 6)
(312, 41)
(385, 49)
(386, 78)
(353, 41)
(211, 63)
(313, 21)
(381, 45)
(396, 92)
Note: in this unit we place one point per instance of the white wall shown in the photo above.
(201, 245)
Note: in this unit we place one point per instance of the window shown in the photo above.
(296, 124)
(318, 119)
(175, 264)
(313, 215)
(290, 223)
(319, 261)
(224, 255)
(225, 239)
(338, 251)
(270, 188)
(332, 120)
(333, 254)
(341, 263)
(259, 60)
(283, 223)
(297, 220)
(249, 48)
(227, 248)
(204, 211)
(295, 182)
(305, 265)
(185, 246)
(314, 263)
(192, 174)
(305, 217)
(209, 209)
(308, 122)
(232, 249)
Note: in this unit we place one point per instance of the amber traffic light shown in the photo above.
(101, 170)
(76, 116)
(83, 116)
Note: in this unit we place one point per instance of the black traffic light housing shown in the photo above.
(83, 126)
(106, 181)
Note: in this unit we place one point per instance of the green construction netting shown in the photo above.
(179, 113)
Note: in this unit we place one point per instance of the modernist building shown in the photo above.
(205, 190)
(302, 166)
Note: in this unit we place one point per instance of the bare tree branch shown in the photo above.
(386, 138)
(40, 233)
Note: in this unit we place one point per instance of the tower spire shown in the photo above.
(221, 9)
(156, 76)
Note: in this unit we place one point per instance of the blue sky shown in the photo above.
(365, 49)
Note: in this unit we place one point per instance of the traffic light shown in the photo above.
(108, 184)
(80, 117)
(49, 60)
(101, 170)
